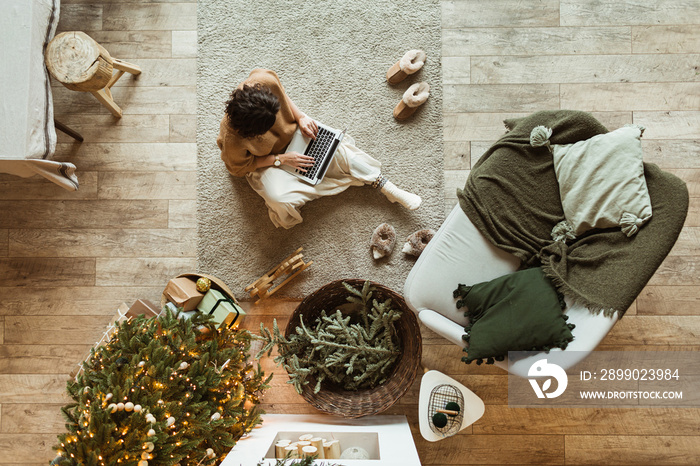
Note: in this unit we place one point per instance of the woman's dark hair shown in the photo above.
(252, 110)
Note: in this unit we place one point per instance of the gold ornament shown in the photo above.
(203, 284)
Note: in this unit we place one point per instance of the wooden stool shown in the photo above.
(81, 64)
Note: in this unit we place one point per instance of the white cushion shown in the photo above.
(601, 181)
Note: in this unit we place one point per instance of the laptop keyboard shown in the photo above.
(317, 149)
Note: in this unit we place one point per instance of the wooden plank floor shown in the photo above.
(68, 259)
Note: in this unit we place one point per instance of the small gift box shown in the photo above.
(143, 307)
(182, 292)
(225, 311)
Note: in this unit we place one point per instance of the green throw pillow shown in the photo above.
(521, 311)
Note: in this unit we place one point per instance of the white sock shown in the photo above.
(395, 194)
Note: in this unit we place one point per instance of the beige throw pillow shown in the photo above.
(601, 182)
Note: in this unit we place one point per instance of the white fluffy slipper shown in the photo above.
(414, 97)
(412, 61)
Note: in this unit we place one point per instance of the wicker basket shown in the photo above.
(352, 404)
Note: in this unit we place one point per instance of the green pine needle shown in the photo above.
(339, 345)
(163, 389)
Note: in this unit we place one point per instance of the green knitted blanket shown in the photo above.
(512, 197)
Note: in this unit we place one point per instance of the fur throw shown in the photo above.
(417, 241)
(417, 94)
(383, 240)
(412, 61)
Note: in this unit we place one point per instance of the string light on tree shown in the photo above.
(150, 396)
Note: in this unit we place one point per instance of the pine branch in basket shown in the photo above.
(355, 347)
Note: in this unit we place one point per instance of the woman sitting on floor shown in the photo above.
(259, 123)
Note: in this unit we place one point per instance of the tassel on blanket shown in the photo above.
(641, 128)
(563, 231)
(631, 224)
(539, 137)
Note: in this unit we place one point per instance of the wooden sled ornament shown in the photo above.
(291, 266)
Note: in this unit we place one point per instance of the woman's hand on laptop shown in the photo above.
(297, 160)
(308, 127)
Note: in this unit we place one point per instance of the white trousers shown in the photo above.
(285, 194)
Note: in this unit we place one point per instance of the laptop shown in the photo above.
(321, 149)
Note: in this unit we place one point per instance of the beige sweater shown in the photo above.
(239, 153)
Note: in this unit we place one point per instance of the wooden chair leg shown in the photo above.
(114, 79)
(67, 130)
(124, 66)
(105, 98)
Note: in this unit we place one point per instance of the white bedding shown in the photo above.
(27, 133)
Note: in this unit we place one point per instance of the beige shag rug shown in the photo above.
(332, 59)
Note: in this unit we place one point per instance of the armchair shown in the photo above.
(441, 267)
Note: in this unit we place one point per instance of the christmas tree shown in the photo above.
(162, 392)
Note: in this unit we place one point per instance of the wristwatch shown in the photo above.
(277, 161)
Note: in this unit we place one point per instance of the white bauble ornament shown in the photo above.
(215, 416)
(108, 396)
(143, 463)
(145, 456)
(210, 453)
(170, 421)
(112, 408)
(151, 432)
(183, 365)
(355, 453)
(149, 446)
(137, 408)
(142, 363)
(120, 406)
(129, 406)
(86, 389)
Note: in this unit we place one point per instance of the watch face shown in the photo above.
(278, 163)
